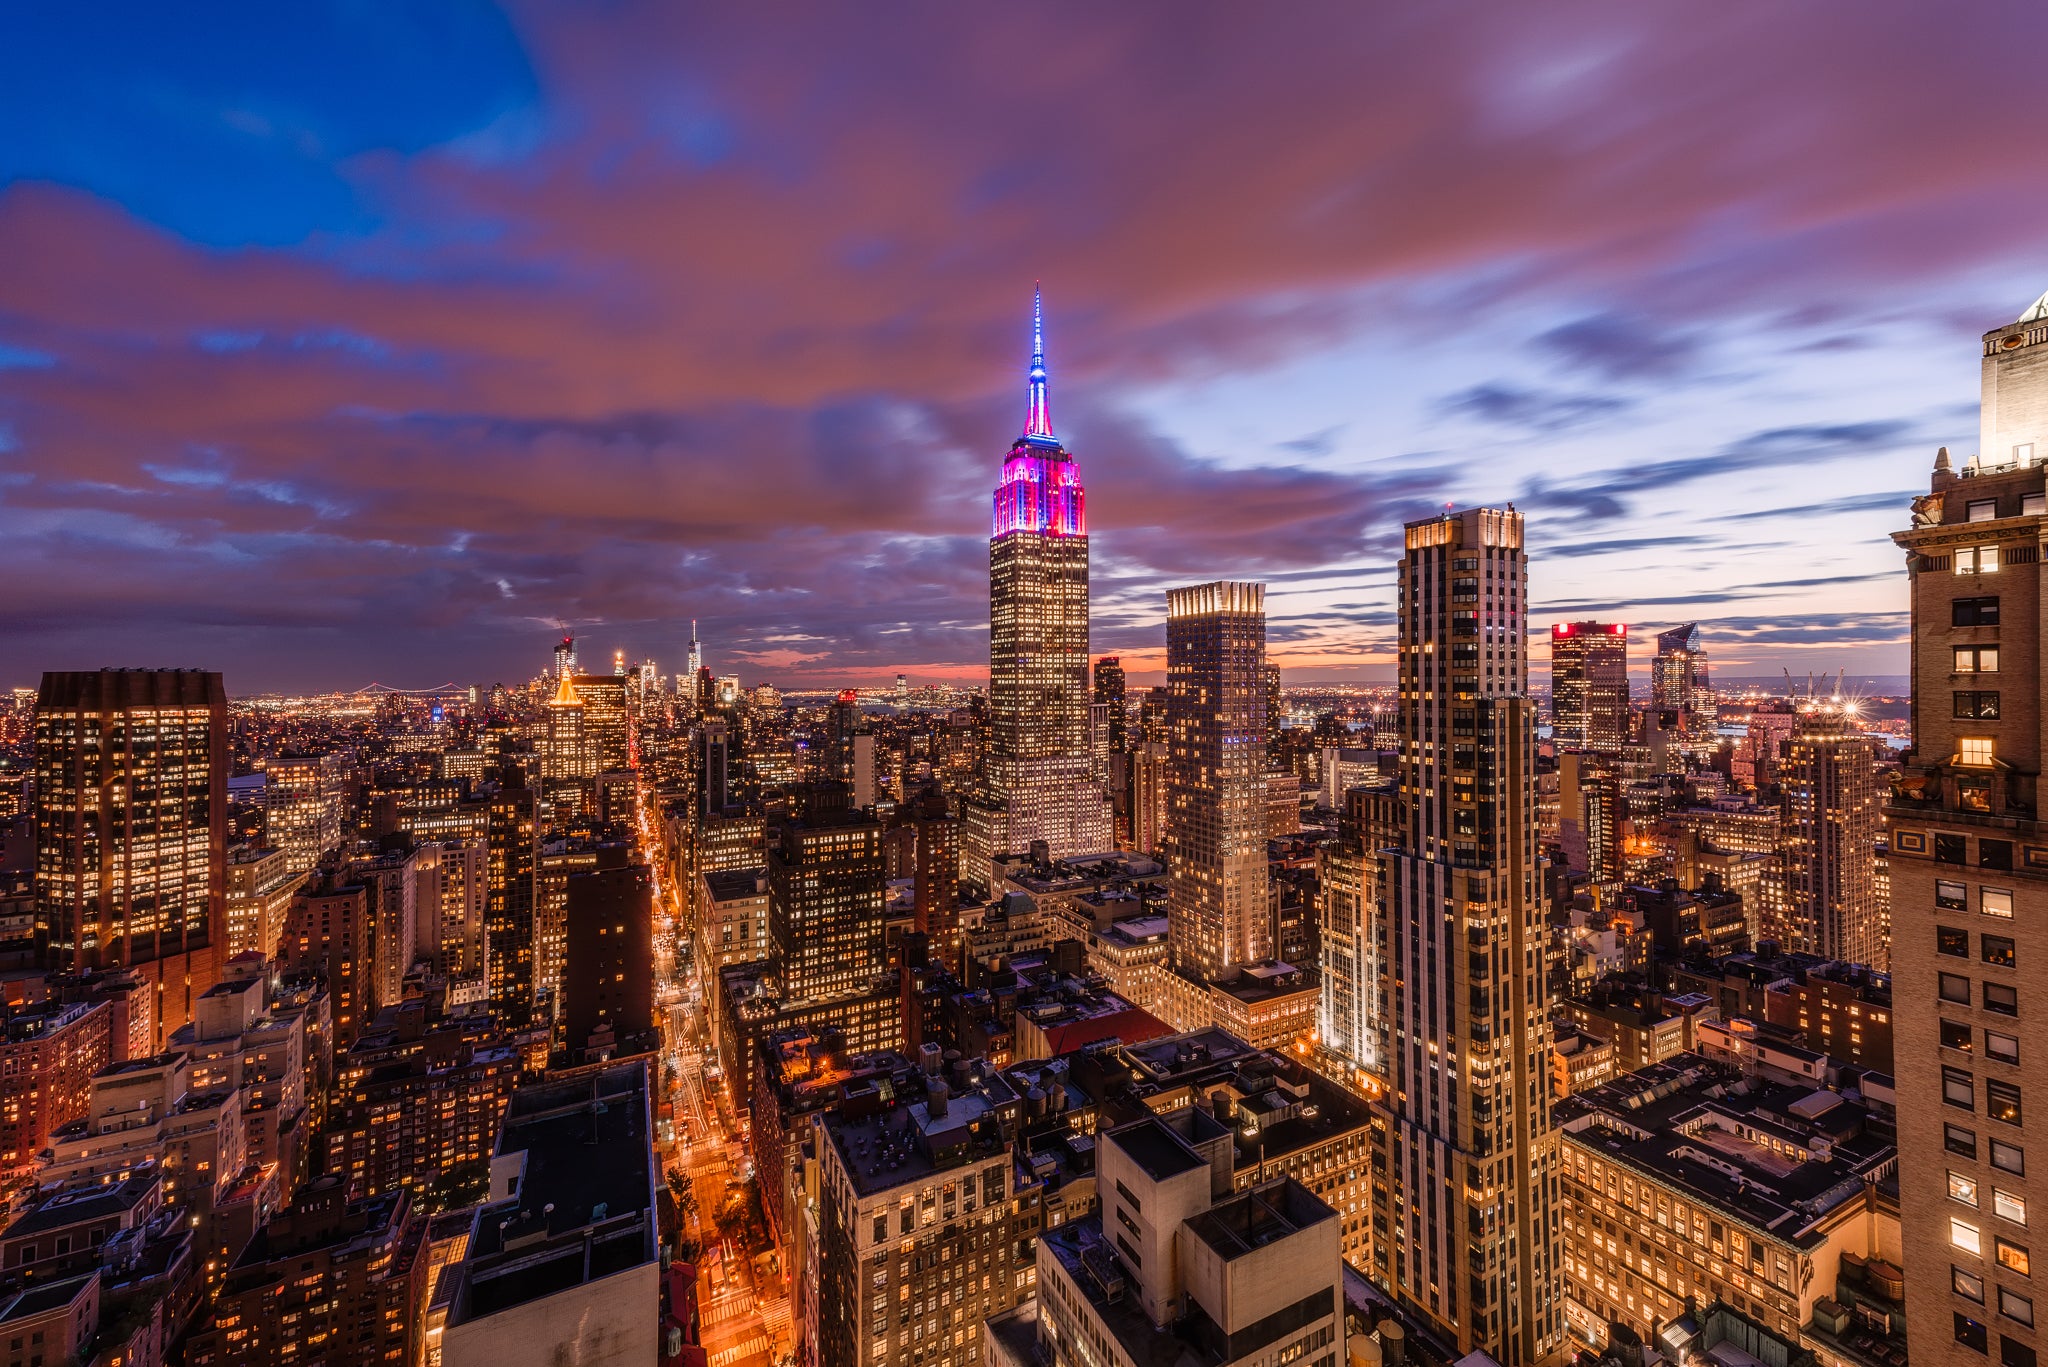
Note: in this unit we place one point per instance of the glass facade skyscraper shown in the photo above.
(1589, 685)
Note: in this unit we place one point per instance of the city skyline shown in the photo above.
(385, 389)
(1422, 823)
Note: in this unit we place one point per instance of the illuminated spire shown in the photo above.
(1038, 422)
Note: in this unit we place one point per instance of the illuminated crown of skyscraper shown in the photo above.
(1041, 488)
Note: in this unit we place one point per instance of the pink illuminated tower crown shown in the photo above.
(1041, 487)
(1039, 780)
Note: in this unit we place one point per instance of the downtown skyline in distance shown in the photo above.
(360, 396)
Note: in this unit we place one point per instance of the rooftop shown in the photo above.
(1196, 1049)
(1253, 1219)
(584, 1205)
(1776, 1158)
(1154, 1146)
(40, 1300)
(141, 1065)
(898, 1144)
(42, 1018)
(1266, 981)
(1139, 928)
(81, 1204)
(320, 1219)
(727, 885)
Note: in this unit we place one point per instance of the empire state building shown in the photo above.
(1037, 781)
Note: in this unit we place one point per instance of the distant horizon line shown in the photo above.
(1372, 681)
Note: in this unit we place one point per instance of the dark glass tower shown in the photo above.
(1110, 691)
(508, 904)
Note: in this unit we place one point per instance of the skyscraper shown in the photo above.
(606, 720)
(1832, 825)
(936, 878)
(1589, 685)
(1216, 908)
(1969, 904)
(1109, 689)
(131, 788)
(696, 653)
(303, 797)
(608, 973)
(508, 905)
(712, 745)
(1472, 1240)
(566, 753)
(565, 656)
(1678, 677)
(1037, 782)
(843, 722)
(827, 893)
(1349, 888)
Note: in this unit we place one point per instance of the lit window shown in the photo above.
(1977, 560)
(1962, 1187)
(1976, 659)
(1966, 1283)
(2009, 1206)
(2013, 1256)
(2002, 1102)
(1965, 1235)
(1974, 750)
(1995, 902)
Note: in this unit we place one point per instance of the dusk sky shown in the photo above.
(369, 346)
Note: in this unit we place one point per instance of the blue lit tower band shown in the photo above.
(1036, 782)
(1466, 1043)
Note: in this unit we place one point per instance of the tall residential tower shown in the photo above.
(1472, 1229)
(1833, 822)
(1216, 909)
(1038, 781)
(1969, 880)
